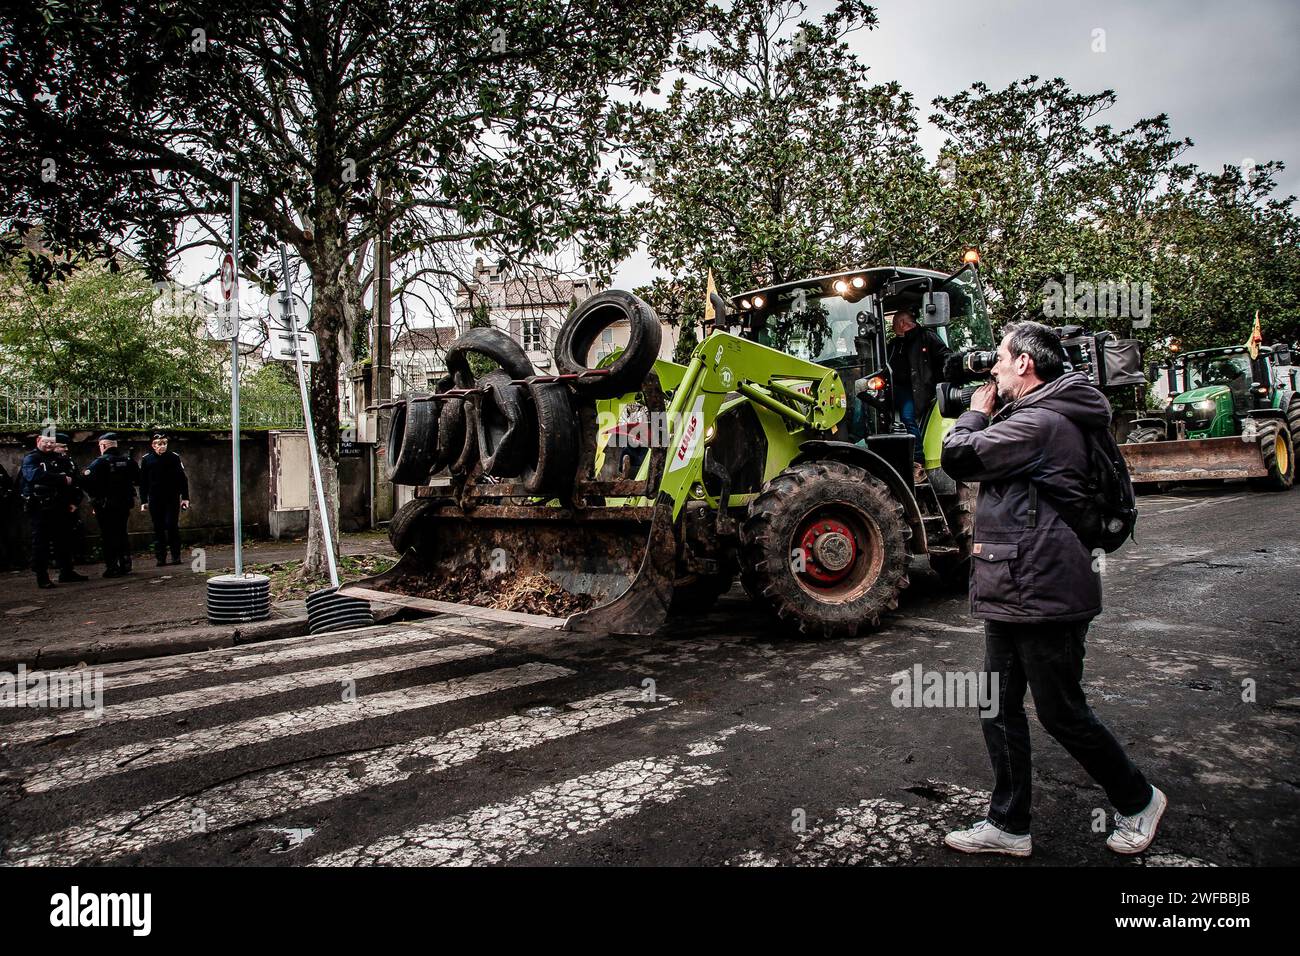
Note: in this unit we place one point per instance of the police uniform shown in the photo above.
(48, 488)
(163, 486)
(111, 480)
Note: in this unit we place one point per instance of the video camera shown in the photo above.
(960, 371)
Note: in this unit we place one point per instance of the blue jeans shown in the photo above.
(1047, 657)
(907, 413)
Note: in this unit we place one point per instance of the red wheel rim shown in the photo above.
(829, 549)
(838, 553)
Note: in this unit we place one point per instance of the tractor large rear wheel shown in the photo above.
(824, 548)
(1279, 455)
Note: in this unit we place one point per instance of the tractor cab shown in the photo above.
(843, 321)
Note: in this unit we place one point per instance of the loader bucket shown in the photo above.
(1194, 459)
(607, 569)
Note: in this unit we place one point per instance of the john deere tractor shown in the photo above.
(627, 487)
(1228, 415)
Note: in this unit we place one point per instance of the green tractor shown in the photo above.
(628, 487)
(1228, 415)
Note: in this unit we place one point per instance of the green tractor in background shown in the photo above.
(1228, 415)
(628, 487)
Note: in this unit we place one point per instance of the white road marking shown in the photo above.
(68, 722)
(1204, 502)
(535, 821)
(265, 795)
(83, 768)
(530, 823)
(132, 673)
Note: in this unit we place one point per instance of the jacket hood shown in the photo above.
(1073, 396)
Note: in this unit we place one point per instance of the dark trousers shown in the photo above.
(1047, 657)
(166, 513)
(113, 536)
(51, 532)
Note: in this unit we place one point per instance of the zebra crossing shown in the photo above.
(203, 752)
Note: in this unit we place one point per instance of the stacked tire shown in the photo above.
(511, 426)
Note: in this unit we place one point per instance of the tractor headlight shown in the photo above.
(1178, 407)
(1206, 406)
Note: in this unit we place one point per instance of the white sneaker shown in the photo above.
(1134, 834)
(985, 837)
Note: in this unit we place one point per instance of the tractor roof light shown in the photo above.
(758, 301)
(746, 304)
(841, 287)
(971, 256)
(859, 282)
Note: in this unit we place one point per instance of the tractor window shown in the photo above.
(969, 327)
(1233, 371)
(813, 328)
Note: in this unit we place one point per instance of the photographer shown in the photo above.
(1034, 584)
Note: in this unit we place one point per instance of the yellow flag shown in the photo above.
(1256, 338)
(709, 289)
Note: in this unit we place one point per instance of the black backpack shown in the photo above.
(1108, 515)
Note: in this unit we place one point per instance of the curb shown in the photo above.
(168, 643)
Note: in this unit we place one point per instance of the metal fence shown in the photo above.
(135, 411)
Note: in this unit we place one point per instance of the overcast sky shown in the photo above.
(1226, 73)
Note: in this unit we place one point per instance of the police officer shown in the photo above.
(111, 480)
(164, 493)
(73, 495)
(50, 496)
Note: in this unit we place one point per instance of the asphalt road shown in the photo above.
(721, 741)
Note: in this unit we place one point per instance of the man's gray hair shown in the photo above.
(1041, 344)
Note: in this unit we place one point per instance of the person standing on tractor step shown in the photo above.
(916, 359)
(50, 496)
(111, 480)
(164, 493)
(1034, 583)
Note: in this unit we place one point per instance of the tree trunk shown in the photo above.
(329, 310)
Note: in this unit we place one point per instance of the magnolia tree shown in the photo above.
(475, 123)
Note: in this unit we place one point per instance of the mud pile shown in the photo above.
(523, 591)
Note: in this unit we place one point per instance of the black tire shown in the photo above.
(628, 371)
(505, 427)
(697, 593)
(553, 468)
(490, 343)
(412, 441)
(451, 428)
(1146, 433)
(402, 529)
(466, 457)
(863, 568)
(1293, 420)
(953, 567)
(1279, 456)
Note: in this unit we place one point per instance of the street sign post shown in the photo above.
(296, 348)
(230, 291)
(282, 345)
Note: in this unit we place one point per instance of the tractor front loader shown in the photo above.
(583, 502)
(1229, 415)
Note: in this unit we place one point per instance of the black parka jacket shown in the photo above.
(1023, 571)
(922, 354)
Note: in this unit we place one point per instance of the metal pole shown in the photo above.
(286, 303)
(234, 382)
